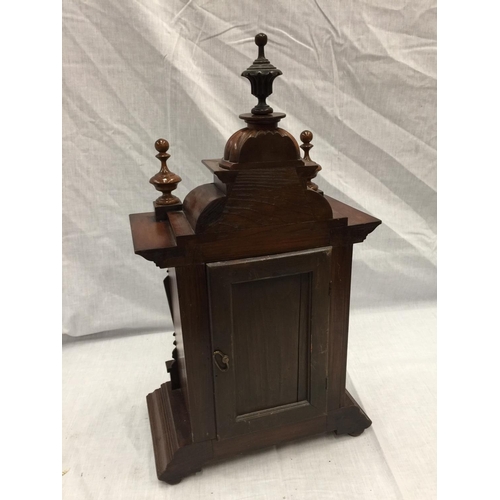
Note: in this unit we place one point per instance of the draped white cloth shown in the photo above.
(361, 75)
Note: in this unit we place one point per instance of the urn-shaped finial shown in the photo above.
(165, 181)
(261, 75)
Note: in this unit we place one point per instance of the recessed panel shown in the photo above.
(269, 321)
(270, 339)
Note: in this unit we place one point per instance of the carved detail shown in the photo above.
(261, 75)
(306, 137)
(165, 181)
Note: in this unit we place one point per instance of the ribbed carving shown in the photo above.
(261, 75)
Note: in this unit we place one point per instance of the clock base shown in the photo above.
(177, 456)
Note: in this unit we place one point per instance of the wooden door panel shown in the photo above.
(269, 317)
(268, 342)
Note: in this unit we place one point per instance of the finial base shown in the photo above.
(264, 121)
(262, 110)
(161, 211)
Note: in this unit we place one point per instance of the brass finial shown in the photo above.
(165, 181)
(306, 137)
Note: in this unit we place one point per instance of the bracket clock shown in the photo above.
(258, 284)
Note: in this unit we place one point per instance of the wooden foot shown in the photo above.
(350, 419)
(176, 455)
(356, 434)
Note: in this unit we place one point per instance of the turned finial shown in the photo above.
(261, 75)
(165, 181)
(306, 137)
(261, 42)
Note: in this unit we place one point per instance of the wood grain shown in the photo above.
(269, 369)
(175, 453)
(339, 324)
(194, 315)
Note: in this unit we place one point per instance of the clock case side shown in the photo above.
(182, 412)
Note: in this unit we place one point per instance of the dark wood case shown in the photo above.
(259, 271)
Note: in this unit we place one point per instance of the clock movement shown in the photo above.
(258, 284)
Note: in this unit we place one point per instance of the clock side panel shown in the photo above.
(189, 297)
(339, 327)
(177, 370)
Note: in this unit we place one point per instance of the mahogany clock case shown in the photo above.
(259, 272)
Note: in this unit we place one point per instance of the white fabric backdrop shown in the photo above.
(360, 74)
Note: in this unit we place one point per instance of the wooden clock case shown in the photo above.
(258, 285)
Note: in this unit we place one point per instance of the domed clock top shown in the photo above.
(261, 140)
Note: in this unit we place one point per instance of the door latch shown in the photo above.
(224, 359)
